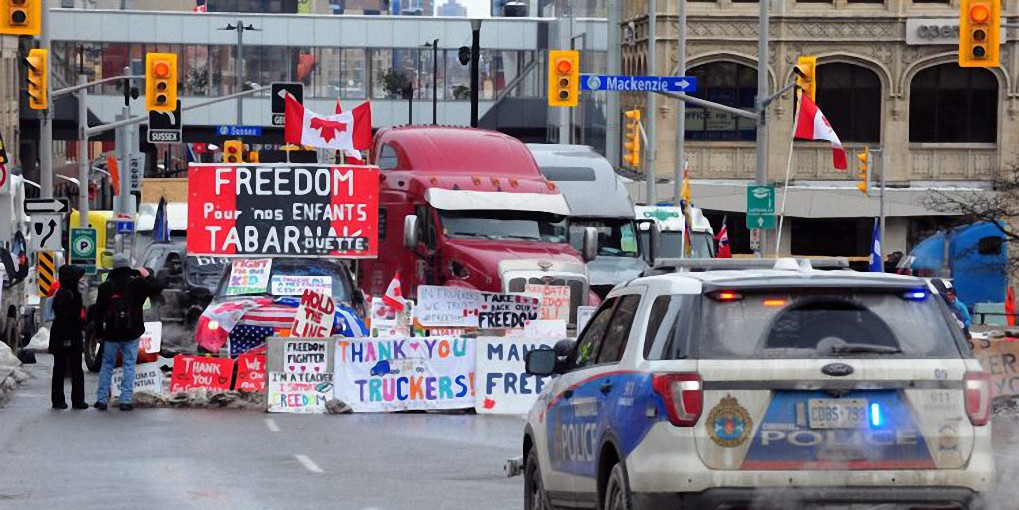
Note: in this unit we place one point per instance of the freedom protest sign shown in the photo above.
(148, 378)
(251, 372)
(555, 300)
(399, 374)
(503, 386)
(447, 307)
(299, 392)
(248, 277)
(193, 372)
(293, 210)
(305, 356)
(314, 317)
(507, 311)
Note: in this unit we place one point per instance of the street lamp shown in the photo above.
(239, 61)
(475, 55)
(435, 66)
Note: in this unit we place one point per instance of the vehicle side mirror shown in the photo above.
(564, 347)
(590, 244)
(540, 362)
(411, 237)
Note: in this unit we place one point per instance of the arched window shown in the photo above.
(727, 83)
(951, 104)
(850, 97)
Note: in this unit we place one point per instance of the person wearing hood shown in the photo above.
(120, 324)
(66, 340)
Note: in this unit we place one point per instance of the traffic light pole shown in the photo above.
(760, 102)
(83, 162)
(680, 109)
(652, 67)
(46, 122)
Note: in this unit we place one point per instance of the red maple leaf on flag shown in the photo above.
(327, 128)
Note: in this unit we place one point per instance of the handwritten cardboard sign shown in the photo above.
(152, 339)
(302, 356)
(507, 311)
(315, 315)
(998, 357)
(249, 276)
(503, 385)
(251, 373)
(290, 285)
(541, 328)
(148, 378)
(386, 321)
(299, 392)
(555, 300)
(584, 314)
(397, 374)
(193, 372)
(447, 307)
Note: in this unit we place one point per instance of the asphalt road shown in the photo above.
(196, 459)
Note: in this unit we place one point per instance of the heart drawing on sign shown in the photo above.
(414, 345)
(318, 368)
(304, 369)
(489, 403)
(292, 368)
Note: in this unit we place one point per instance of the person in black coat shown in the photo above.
(66, 339)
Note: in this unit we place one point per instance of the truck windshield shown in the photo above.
(616, 238)
(205, 271)
(515, 225)
(672, 245)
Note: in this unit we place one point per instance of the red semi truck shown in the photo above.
(470, 208)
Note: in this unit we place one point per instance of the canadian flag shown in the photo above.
(394, 295)
(812, 125)
(354, 155)
(341, 132)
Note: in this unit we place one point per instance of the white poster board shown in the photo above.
(447, 307)
(315, 315)
(148, 378)
(302, 392)
(555, 300)
(152, 339)
(248, 276)
(502, 384)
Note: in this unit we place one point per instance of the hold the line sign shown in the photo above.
(292, 210)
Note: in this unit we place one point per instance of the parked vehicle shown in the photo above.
(19, 313)
(671, 223)
(974, 256)
(468, 207)
(597, 199)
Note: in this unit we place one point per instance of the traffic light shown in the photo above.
(161, 82)
(21, 17)
(863, 170)
(233, 151)
(979, 33)
(806, 77)
(37, 63)
(563, 77)
(252, 157)
(632, 139)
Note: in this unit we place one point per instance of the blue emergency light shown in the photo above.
(875, 414)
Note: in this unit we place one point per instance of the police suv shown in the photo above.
(786, 387)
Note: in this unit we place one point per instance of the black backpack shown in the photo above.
(118, 315)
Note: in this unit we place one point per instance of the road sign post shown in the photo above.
(279, 104)
(239, 131)
(47, 206)
(83, 244)
(165, 127)
(761, 207)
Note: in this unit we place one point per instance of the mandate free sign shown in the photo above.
(291, 210)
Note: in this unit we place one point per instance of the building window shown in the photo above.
(726, 83)
(951, 104)
(850, 97)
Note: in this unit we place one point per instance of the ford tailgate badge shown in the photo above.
(837, 369)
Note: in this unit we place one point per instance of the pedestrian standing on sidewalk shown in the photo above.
(960, 311)
(66, 339)
(119, 323)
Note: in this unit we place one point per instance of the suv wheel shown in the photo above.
(617, 490)
(93, 350)
(534, 490)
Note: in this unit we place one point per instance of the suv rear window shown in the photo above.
(807, 323)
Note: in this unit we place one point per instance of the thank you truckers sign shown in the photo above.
(293, 210)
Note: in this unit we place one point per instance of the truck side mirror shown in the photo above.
(590, 244)
(411, 237)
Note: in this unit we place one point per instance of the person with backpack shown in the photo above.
(120, 324)
(66, 339)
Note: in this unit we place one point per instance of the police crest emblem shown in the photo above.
(728, 423)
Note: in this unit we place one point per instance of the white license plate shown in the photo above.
(837, 413)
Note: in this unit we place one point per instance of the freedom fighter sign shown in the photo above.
(291, 210)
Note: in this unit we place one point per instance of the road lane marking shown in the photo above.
(308, 463)
(271, 425)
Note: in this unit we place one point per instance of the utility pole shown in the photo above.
(881, 200)
(761, 105)
(652, 145)
(83, 162)
(680, 107)
(475, 79)
(240, 72)
(46, 123)
(612, 100)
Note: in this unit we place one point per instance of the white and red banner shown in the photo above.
(343, 131)
(812, 125)
(288, 210)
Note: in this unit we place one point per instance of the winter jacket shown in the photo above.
(136, 290)
(68, 308)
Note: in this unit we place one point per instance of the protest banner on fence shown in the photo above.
(152, 339)
(998, 357)
(251, 374)
(193, 372)
(397, 374)
(283, 209)
(555, 300)
(507, 311)
(148, 378)
(447, 307)
(249, 276)
(503, 386)
(300, 374)
(315, 316)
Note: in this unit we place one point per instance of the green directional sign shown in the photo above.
(83, 248)
(761, 207)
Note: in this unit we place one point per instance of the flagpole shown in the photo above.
(788, 171)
